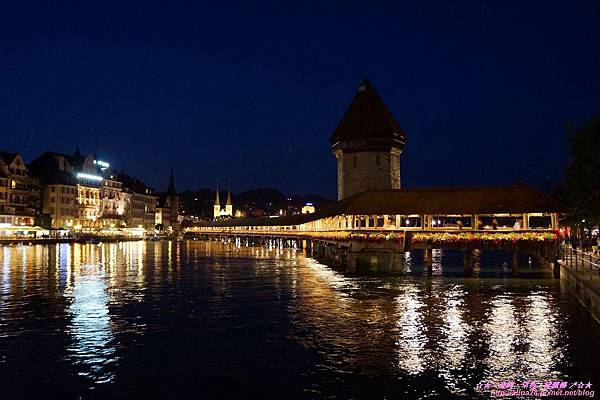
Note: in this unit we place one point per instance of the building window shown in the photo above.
(355, 162)
(377, 160)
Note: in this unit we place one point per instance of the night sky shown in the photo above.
(253, 92)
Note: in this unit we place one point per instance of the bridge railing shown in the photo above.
(580, 260)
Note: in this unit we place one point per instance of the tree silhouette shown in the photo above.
(582, 178)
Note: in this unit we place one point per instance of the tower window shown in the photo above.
(355, 162)
(377, 160)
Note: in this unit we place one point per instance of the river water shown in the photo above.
(215, 320)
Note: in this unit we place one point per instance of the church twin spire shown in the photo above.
(217, 210)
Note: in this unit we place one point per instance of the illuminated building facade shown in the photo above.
(113, 203)
(80, 192)
(71, 187)
(89, 184)
(308, 208)
(17, 192)
(59, 201)
(218, 211)
(141, 202)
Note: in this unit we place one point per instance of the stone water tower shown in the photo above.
(367, 144)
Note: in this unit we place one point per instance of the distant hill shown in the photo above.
(260, 197)
(199, 203)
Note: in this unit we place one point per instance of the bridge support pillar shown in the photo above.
(396, 263)
(515, 262)
(373, 263)
(428, 261)
(321, 250)
(351, 264)
(467, 261)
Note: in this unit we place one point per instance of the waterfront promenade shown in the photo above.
(580, 271)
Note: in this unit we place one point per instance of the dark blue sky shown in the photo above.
(252, 92)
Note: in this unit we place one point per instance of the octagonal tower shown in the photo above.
(367, 144)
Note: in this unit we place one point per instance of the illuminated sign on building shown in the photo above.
(102, 164)
(81, 175)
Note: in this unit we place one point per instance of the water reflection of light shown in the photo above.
(436, 262)
(523, 339)
(411, 341)
(6, 271)
(408, 262)
(140, 261)
(542, 353)
(92, 337)
(502, 362)
(455, 339)
(170, 253)
(334, 279)
(455, 329)
(24, 250)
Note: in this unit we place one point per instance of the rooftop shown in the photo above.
(7, 157)
(367, 117)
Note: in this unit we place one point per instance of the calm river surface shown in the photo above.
(212, 320)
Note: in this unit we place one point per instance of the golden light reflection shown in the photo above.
(502, 330)
(92, 338)
(523, 338)
(372, 325)
(455, 330)
(140, 247)
(334, 280)
(5, 271)
(411, 336)
(436, 262)
(540, 326)
(408, 262)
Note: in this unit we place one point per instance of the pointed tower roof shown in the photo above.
(228, 198)
(171, 190)
(217, 200)
(368, 118)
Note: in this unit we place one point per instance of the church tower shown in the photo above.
(367, 144)
(217, 206)
(229, 205)
(173, 200)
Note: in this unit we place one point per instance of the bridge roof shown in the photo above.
(514, 199)
(458, 200)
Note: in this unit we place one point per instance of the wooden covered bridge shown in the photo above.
(385, 223)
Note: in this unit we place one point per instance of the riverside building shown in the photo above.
(19, 194)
